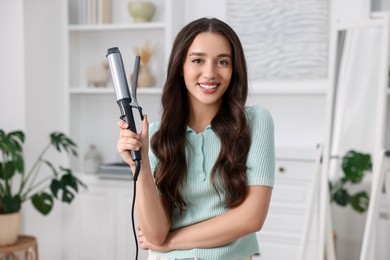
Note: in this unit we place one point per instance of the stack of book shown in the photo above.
(118, 170)
(95, 11)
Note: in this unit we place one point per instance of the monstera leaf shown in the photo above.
(68, 185)
(43, 202)
(360, 201)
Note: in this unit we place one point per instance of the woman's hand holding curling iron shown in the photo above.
(130, 141)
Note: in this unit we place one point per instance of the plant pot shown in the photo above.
(9, 226)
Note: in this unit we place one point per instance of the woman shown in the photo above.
(206, 181)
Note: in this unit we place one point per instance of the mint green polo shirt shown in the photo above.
(202, 150)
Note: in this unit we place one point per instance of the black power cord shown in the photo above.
(135, 177)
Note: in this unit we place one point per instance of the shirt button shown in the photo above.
(202, 176)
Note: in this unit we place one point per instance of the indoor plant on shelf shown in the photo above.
(18, 186)
(355, 165)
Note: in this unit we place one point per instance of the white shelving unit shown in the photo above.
(92, 112)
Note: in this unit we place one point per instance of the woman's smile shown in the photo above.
(209, 87)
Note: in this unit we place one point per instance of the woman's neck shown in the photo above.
(201, 116)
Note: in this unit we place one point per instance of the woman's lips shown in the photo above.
(208, 88)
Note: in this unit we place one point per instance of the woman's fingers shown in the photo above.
(122, 124)
(130, 141)
(145, 126)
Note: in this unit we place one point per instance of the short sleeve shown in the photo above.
(261, 157)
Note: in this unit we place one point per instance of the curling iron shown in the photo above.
(126, 100)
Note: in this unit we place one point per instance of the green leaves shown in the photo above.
(360, 201)
(68, 185)
(354, 165)
(11, 147)
(10, 204)
(59, 183)
(12, 142)
(43, 202)
(62, 142)
(7, 170)
(341, 197)
(12, 154)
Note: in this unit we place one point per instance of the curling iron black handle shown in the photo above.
(127, 115)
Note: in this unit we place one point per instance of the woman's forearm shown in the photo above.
(151, 216)
(232, 225)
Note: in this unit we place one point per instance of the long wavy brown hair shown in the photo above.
(230, 124)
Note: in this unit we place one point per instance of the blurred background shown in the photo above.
(54, 76)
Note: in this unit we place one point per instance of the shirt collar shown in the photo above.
(189, 129)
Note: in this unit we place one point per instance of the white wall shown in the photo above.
(204, 8)
(45, 107)
(32, 93)
(12, 91)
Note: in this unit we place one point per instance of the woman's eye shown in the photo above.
(197, 61)
(223, 62)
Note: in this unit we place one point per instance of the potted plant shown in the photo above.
(354, 165)
(42, 188)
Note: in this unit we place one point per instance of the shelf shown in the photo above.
(108, 90)
(112, 27)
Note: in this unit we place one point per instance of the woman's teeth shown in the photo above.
(208, 86)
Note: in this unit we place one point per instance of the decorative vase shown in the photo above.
(9, 226)
(145, 77)
(92, 160)
(141, 11)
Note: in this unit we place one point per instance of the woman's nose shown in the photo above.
(209, 70)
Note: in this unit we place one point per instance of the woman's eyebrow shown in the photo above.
(225, 55)
(204, 54)
(197, 54)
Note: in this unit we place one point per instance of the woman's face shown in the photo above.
(207, 69)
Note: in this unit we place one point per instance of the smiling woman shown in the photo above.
(207, 178)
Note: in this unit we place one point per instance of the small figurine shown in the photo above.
(98, 75)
